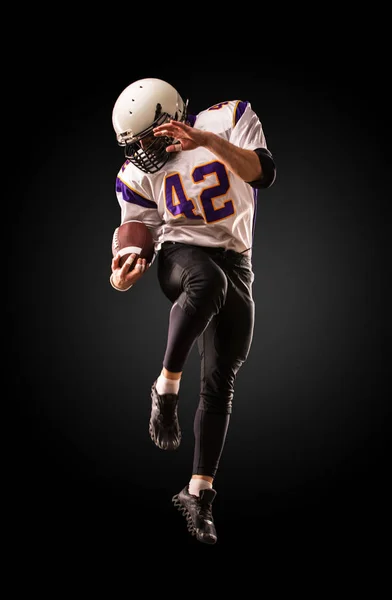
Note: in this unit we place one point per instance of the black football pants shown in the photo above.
(211, 292)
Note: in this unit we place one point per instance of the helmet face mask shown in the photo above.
(148, 152)
(140, 108)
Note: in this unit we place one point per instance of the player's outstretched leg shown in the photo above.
(164, 426)
(198, 513)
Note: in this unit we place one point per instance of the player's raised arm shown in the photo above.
(244, 163)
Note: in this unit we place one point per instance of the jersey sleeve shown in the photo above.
(136, 206)
(247, 131)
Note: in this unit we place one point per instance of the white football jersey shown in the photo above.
(194, 198)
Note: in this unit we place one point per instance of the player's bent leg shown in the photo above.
(197, 287)
(200, 288)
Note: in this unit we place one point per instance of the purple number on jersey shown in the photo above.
(208, 195)
(176, 200)
(178, 203)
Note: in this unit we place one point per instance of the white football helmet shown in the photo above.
(140, 107)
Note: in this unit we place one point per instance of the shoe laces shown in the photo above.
(205, 510)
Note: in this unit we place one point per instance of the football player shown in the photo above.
(194, 181)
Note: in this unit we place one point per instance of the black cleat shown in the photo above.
(164, 427)
(198, 513)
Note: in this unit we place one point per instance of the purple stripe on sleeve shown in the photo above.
(133, 197)
(239, 111)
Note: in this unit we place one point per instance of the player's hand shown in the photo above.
(122, 277)
(187, 138)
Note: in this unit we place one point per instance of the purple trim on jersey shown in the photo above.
(191, 120)
(239, 111)
(132, 196)
(255, 197)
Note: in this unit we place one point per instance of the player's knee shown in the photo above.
(216, 289)
(209, 289)
(216, 403)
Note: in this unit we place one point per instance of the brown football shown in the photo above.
(133, 237)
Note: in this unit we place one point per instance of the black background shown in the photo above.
(304, 462)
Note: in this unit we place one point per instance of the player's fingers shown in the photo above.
(127, 264)
(164, 126)
(180, 125)
(144, 264)
(162, 132)
(140, 266)
(172, 128)
(137, 271)
(136, 267)
(167, 129)
(174, 148)
(115, 262)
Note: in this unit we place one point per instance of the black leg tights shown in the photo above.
(212, 303)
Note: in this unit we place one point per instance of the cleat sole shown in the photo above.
(190, 527)
(162, 447)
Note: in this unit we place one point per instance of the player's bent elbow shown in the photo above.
(268, 169)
